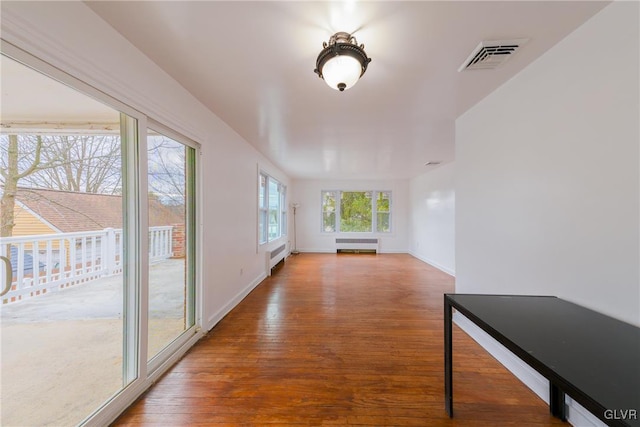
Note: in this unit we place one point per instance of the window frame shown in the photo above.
(192, 201)
(337, 194)
(264, 209)
(378, 212)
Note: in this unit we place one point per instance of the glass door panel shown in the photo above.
(171, 283)
(62, 319)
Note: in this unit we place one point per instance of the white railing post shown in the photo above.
(109, 252)
(170, 242)
(49, 259)
(35, 256)
(20, 264)
(83, 249)
(72, 259)
(120, 250)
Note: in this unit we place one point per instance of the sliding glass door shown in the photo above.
(63, 327)
(170, 206)
(97, 247)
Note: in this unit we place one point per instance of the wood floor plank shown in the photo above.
(338, 340)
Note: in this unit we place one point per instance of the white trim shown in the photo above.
(282, 188)
(165, 353)
(42, 67)
(536, 382)
(38, 216)
(53, 49)
(167, 131)
(200, 296)
(257, 219)
(233, 302)
(374, 214)
(433, 263)
(577, 415)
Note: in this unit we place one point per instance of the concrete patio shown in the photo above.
(62, 352)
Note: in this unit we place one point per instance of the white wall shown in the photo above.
(547, 185)
(432, 206)
(309, 219)
(71, 37)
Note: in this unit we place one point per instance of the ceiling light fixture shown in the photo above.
(341, 62)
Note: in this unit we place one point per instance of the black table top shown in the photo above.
(585, 352)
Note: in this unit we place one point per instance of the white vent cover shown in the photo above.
(491, 54)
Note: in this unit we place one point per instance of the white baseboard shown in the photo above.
(433, 263)
(219, 315)
(577, 415)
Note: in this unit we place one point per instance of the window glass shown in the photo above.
(355, 211)
(62, 322)
(170, 308)
(329, 211)
(274, 209)
(272, 215)
(383, 209)
(262, 208)
(283, 209)
(262, 193)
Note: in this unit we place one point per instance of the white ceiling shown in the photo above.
(28, 96)
(252, 64)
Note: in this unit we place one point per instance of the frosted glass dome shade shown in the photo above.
(341, 72)
(341, 62)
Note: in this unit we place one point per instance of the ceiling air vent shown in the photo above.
(491, 54)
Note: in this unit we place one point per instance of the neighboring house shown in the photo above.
(40, 211)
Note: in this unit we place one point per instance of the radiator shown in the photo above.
(357, 245)
(275, 256)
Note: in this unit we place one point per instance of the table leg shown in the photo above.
(556, 402)
(448, 359)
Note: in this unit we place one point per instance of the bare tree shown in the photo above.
(11, 174)
(167, 170)
(87, 163)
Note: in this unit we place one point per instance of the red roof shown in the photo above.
(72, 211)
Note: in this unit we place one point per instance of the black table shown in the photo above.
(593, 358)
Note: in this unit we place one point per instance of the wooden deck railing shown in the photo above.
(46, 263)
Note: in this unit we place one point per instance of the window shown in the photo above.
(353, 211)
(171, 210)
(262, 209)
(383, 212)
(329, 211)
(271, 209)
(283, 210)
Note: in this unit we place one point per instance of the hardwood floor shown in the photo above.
(338, 340)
